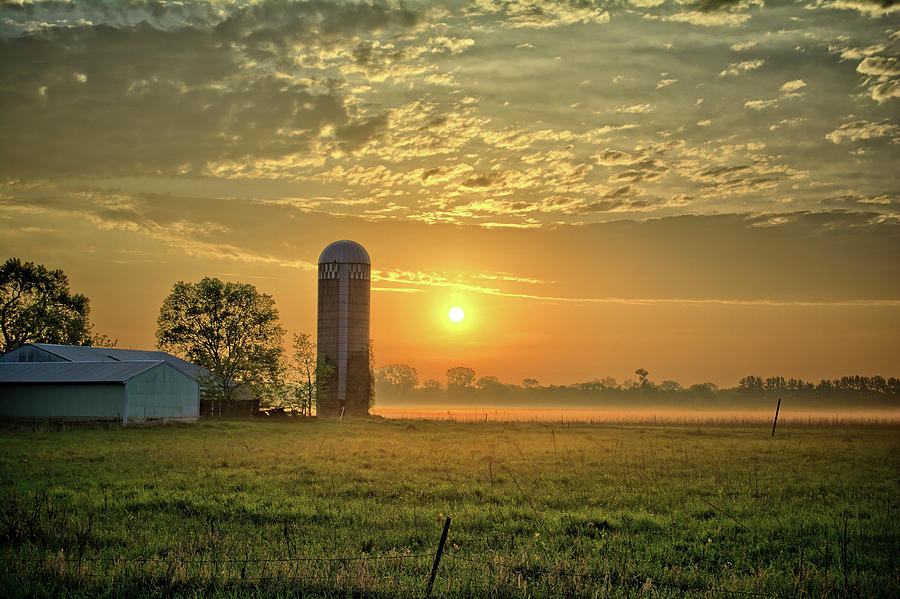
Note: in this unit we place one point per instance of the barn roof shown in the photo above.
(74, 372)
(78, 353)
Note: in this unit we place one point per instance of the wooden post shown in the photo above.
(437, 557)
(342, 414)
(778, 407)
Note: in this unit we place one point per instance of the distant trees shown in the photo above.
(230, 329)
(36, 306)
(460, 377)
(396, 379)
(432, 385)
(642, 391)
(847, 385)
(706, 389)
(489, 383)
(669, 386)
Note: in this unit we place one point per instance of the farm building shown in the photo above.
(48, 352)
(125, 390)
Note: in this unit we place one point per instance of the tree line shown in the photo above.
(401, 382)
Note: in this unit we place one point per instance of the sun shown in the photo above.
(456, 314)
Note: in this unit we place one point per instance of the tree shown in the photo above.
(36, 306)
(642, 376)
(432, 385)
(706, 389)
(397, 379)
(309, 373)
(487, 383)
(530, 383)
(670, 386)
(230, 329)
(303, 369)
(370, 400)
(460, 377)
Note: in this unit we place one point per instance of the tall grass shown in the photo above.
(540, 509)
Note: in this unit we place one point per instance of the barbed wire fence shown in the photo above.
(402, 573)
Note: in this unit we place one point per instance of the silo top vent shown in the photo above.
(344, 251)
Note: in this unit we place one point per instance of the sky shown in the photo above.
(705, 189)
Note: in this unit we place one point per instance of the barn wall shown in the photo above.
(63, 400)
(163, 392)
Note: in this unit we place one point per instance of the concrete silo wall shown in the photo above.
(343, 337)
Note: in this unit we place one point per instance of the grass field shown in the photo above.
(330, 509)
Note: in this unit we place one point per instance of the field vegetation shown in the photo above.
(300, 507)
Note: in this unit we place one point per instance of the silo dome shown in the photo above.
(344, 251)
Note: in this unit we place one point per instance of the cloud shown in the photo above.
(722, 5)
(645, 170)
(856, 53)
(736, 68)
(852, 200)
(404, 110)
(880, 66)
(789, 91)
(760, 104)
(434, 279)
(709, 19)
(760, 172)
(665, 83)
(786, 123)
(484, 180)
(635, 108)
(212, 86)
(861, 130)
(881, 71)
(454, 45)
(882, 92)
(357, 134)
(741, 46)
(610, 157)
(538, 15)
(792, 86)
(870, 8)
(28, 17)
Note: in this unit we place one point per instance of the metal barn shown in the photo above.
(49, 352)
(128, 391)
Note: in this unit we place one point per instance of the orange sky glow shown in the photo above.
(703, 190)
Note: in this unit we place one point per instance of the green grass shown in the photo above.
(329, 509)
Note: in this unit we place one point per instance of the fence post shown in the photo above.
(778, 407)
(437, 557)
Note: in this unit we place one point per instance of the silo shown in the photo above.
(343, 328)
